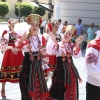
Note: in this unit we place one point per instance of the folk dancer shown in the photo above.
(12, 59)
(65, 77)
(32, 80)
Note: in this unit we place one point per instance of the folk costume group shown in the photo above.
(42, 54)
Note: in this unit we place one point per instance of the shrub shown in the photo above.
(39, 10)
(4, 8)
(25, 9)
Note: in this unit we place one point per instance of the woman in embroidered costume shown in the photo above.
(12, 59)
(53, 28)
(52, 36)
(65, 77)
(32, 80)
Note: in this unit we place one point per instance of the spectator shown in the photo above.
(60, 26)
(79, 27)
(48, 27)
(91, 33)
(64, 26)
(79, 30)
(42, 26)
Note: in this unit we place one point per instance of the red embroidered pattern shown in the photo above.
(68, 48)
(32, 40)
(70, 93)
(37, 88)
(91, 58)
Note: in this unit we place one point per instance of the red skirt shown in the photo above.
(10, 67)
(52, 59)
(72, 89)
(11, 59)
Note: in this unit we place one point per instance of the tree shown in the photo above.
(4, 8)
(39, 10)
(24, 8)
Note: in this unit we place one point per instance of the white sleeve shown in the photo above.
(4, 42)
(25, 49)
(97, 34)
(50, 45)
(92, 65)
(46, 36)
(78, 55)
(6, 36)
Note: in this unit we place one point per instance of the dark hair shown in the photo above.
(66, 22)
(80, 20)
(59, 20)
(92, 24)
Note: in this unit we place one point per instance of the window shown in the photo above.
(3, 0)
(19, 0)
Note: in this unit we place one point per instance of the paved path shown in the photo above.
(13, 92)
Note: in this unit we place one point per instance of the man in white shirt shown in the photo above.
(42, 26)
(60, 26)
(92, 68)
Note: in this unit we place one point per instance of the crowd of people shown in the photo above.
(30, 55)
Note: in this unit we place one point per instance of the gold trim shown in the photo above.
(34, 18)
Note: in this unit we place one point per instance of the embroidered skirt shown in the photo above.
(10, 67)
(65, 81)
(32, 79)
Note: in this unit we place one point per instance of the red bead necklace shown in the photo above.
(32, 40)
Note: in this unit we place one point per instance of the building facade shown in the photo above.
(87, 10)
(71, 10)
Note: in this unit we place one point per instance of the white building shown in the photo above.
(87, 10)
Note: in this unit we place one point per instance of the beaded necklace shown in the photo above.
(30, 47)
(66, 51)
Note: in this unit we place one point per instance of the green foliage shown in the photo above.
(1, 20)
(4, 8)
(24, 8)
(39, 10)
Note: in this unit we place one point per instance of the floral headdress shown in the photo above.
(34, 18)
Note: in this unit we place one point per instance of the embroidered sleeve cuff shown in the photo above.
(76, 50)
(20, 45)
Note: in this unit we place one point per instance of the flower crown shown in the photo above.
(34, 18)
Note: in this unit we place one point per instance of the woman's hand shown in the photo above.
(80, 80)
(53, 37)
(79, 40)
(25, 36)
(14, 50)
